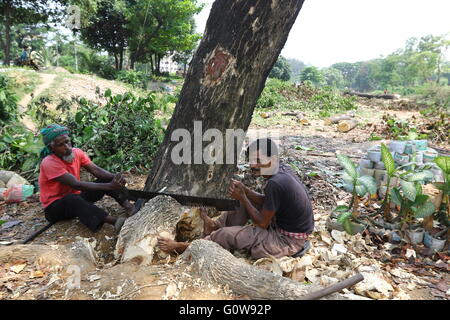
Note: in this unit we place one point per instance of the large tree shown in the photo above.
(242, 41)
(25, 12)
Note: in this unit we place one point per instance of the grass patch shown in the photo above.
(25, 81)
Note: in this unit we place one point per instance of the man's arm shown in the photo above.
(256, 198)
(98, 172)
(72, 182)
(260, 218)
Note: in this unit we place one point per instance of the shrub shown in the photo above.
(119, 136)
(325, 101)
(135, 78)
(8, 101)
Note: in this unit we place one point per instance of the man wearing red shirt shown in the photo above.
(63, 195)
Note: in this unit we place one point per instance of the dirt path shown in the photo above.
(47, 80)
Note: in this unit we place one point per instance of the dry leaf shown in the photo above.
(17, 268)
(36, 274)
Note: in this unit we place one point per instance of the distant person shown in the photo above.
(282, 218)
(63, 195)
(385, 91)
(24, 55)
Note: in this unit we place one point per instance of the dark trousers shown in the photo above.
(82, 206)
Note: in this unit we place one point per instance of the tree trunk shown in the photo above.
(7, 47)
(158, 63)
(116, 60)
(241, 43)
(161, 216)
(121, 59)
(215, 264)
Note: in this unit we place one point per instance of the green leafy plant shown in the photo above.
(135, 78)
(8, 101)
(359, 186)
(121, 135)
(444, 164)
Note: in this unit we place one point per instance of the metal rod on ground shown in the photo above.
(34, 235)
(334, 288)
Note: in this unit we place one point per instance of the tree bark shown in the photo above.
(241, 43)
(7, 47)
(215, 264)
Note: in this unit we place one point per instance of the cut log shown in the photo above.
(373, 96)
(338, 118)
(347, 125)
(215, 264)
(161, 216)
(240, 45)
(59, 257)
(266, 115)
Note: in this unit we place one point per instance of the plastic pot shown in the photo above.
(366, 163)
(379, 176)
(374, 155)
(421, 145)
(433, 243)
(409, 148)
(380, 165)
(367, 172)
(397, 146)
(416, 235)
(429, 155)
(401, 158)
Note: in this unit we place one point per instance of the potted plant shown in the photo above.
(359, 186)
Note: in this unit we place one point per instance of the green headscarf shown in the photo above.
(50, 133)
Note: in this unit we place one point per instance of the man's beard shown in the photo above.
(68, 158)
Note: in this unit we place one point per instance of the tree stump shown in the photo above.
(161, 216)
(215, 264)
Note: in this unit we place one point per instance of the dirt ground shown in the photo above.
(425, 277)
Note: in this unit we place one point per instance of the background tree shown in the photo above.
(296, 67)
(281, 70)
(333, 77)
(312, 74)
(159, 26)
(106, 30)
(29, 12)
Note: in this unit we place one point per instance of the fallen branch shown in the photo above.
(334, 288)
(373, 96)
(215, 264)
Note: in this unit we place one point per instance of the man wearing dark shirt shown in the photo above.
(282, 217)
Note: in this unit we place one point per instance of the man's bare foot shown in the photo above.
(169, 245)
(130, 209)
(209, 225)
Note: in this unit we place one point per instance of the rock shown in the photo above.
(340, 248)
(338, 236)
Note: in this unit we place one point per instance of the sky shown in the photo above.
(330, 31)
